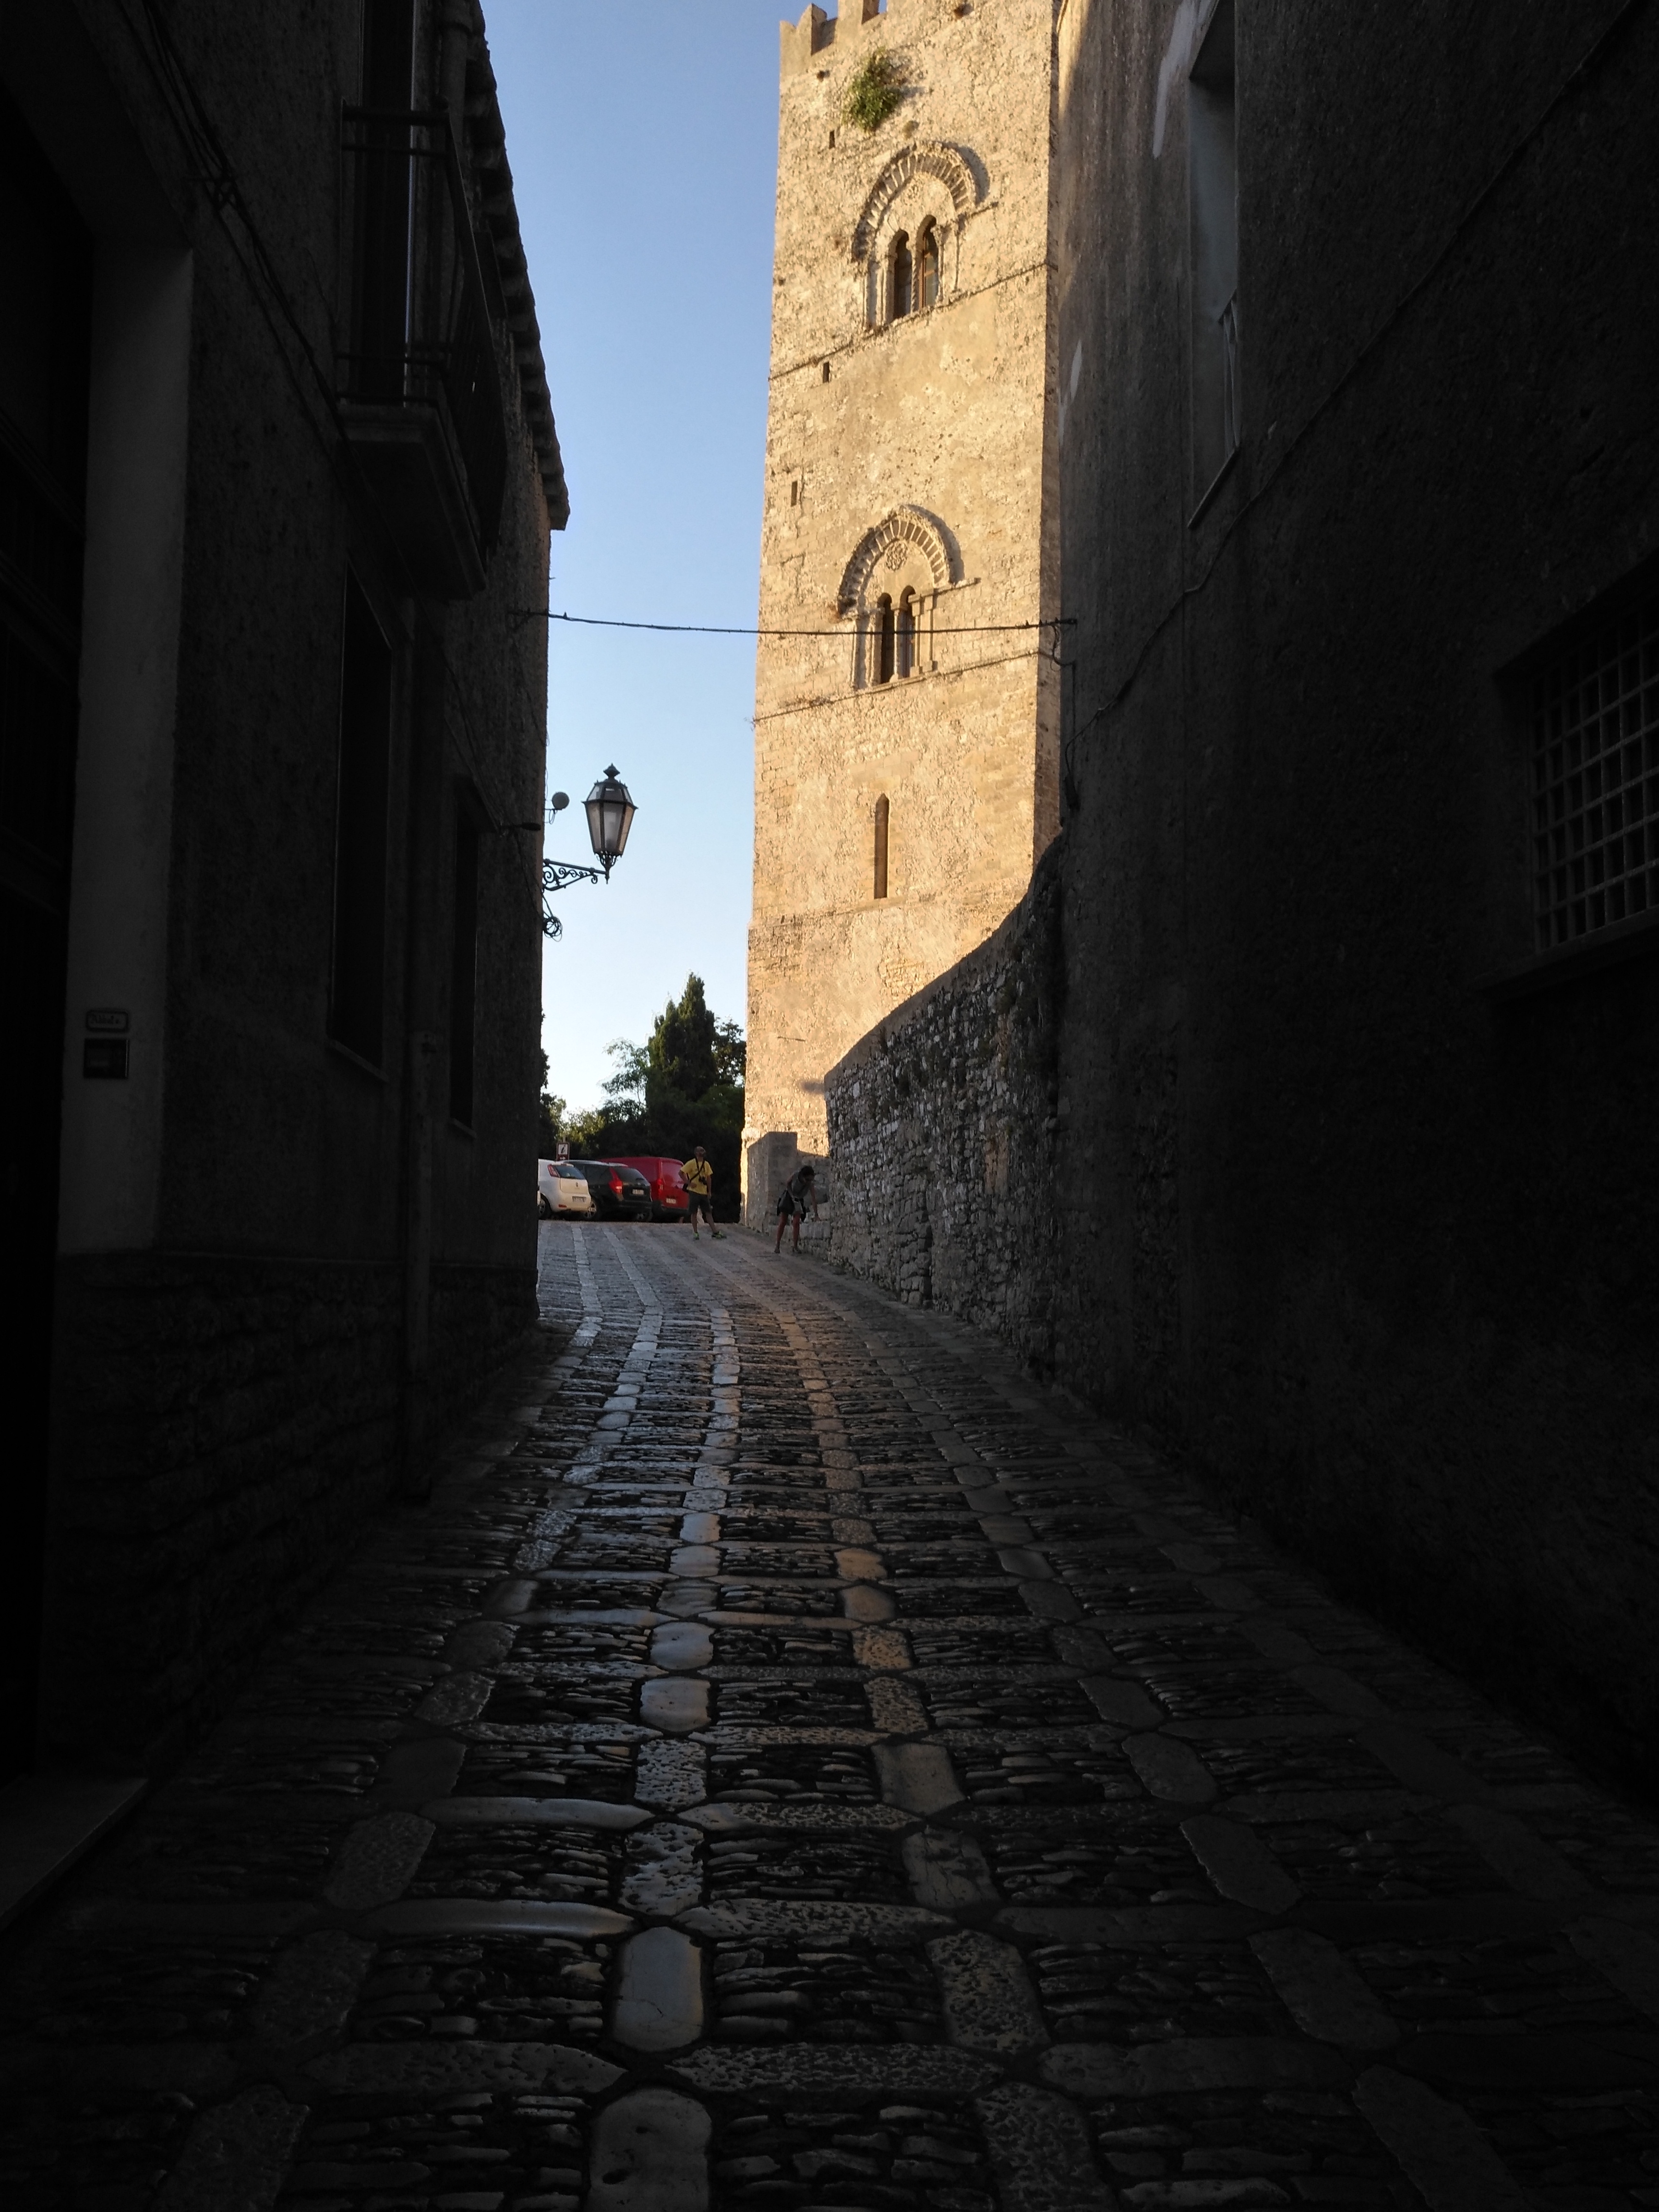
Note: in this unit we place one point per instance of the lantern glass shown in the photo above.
(610, 817)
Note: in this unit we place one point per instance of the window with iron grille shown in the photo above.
(1596, 780)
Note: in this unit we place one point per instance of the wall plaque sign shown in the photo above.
(105, 1057)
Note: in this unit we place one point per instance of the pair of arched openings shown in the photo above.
(894, 637)
(913, 270)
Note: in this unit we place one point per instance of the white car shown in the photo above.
(560, 1188)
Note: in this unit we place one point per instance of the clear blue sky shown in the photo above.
(643, 141)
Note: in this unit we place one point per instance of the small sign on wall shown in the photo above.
(104, 1054)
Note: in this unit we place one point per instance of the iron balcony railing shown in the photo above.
(419, 331)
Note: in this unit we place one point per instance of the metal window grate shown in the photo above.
(1596, 781)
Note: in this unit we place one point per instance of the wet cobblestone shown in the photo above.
(793, 1762)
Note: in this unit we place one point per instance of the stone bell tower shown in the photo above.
(907, 759)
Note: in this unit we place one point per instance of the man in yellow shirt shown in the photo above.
(699, 1173)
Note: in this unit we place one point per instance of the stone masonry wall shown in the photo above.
(234, 1422)
(942, 1136)
(909, 452)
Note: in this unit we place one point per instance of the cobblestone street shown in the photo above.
(795, 1763)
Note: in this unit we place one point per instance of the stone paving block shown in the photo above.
(1125, 1703)
(917, 1776)
(989, 2002)
(235, 2155)
(895, 1706)
(1239, 1864)
(658, 2001)
(1422, 1766)
(1437, 2145)
(669, 1775)
(1525, 1861)
(463, 1916)
(1169, 1770)
(416, 1769)
(1039, 2146)
(674, 1703)
(378, 1861)
(479, 1645)
(650, 2154)
(532, 1812)
(902, 2069)
(311, 1989)
(682, 1645)
(947, 1870)
(461, 1696)
(784, 1918)
(886, 1647)
(663, 1871)
(1324, 1994)
(441, 2069)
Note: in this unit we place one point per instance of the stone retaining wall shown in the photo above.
(942, 1136)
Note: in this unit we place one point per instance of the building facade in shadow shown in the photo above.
(279, 465)
(1301, 1109)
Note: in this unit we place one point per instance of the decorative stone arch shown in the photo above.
(936, 159)
(906, 532)
(891, 587)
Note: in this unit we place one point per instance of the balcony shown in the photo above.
(419, 386)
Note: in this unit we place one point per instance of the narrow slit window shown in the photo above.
(901, 277)
(357, 979)
(885, 639)
(881, 846)
(464, 972)
(928, 265)
(906, 638)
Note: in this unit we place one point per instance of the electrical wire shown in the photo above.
(721, 629)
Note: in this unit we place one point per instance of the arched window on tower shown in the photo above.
(884, 640)
(905, 640)
(881, 846)
(927, 281)
(901, 281)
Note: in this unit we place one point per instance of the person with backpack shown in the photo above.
(799, 1193)
(699, 1175)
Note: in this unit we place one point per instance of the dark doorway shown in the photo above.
(43, 442)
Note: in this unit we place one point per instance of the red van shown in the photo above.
(669, 1202)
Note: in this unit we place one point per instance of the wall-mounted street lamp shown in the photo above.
(610, 810)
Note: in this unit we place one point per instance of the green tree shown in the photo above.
(682, 1087)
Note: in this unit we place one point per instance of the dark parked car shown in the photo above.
(670, 1201)
(621, 1194)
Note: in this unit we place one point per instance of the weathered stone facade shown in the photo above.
(1352, 1191)
(909, 460)
(942, 1135)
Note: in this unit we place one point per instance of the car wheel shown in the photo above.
(543, 1209)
